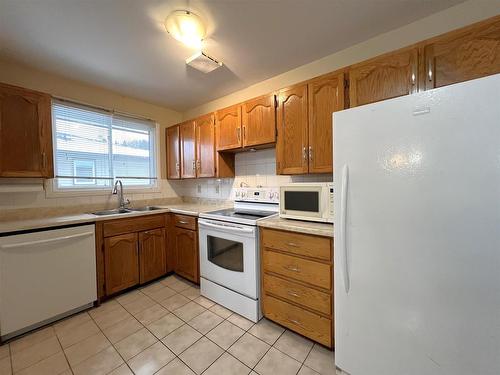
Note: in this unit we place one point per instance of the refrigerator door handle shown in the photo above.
(343, 229)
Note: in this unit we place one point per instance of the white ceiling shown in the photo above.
(121, 44)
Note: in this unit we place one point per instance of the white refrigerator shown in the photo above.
(417, 233)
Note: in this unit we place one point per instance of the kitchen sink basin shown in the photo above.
(112, 212)
(146, 208)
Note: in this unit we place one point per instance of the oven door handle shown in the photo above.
(227, 227)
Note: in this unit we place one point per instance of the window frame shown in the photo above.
(52, 189)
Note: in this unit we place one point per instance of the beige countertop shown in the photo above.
(308, 227)
(191, 209)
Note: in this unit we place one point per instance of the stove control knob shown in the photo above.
(237, 193)
(276, 195)
(243, 194)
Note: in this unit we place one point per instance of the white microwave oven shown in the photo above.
(307, 201)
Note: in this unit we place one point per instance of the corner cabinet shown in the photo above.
(25, 133)
(173, 152)
(186, 247)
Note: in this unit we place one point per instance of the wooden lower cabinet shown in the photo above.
(152, 255)
(187, 258)
(297, 283)
(121, 262)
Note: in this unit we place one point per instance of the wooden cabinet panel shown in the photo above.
(291, 148)
(170, 242)
(385, 77)
(134, 224)
(121, 262)
(173, 152)
(462, 55)
(25, 133)
(205, 145)
(299, 320)
(152, 256)
(185, 221)
(326, 95)
(188, 149)
(187, 259)
(259, 121)
(228, 128)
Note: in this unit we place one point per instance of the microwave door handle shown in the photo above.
(229, 227)
(343, 230)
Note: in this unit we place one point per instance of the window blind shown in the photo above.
(94, 147)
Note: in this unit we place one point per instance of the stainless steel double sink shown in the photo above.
(117, 211)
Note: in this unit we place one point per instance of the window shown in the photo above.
(94, 147)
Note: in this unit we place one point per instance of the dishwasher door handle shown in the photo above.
(48, 240)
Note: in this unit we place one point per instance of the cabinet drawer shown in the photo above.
(307, 271)
(185, 221)
(296, 243)
(299, 320)
(308, 297)
(136, 224)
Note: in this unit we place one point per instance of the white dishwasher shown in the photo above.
(44, 276)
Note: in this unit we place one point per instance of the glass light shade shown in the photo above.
(186, 27)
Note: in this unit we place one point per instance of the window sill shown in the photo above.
(53, 192)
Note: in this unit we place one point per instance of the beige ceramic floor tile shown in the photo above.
(53, 365)
(110, 318)
(174, 302)
(191, 292)
(4, 351)
(162, 294)
(70, 337)
(189, 311)
(135, 343)
(267, 331)
(86, 348)
(151, 288)
(307, 371)
(122, 370)
(71, 323)
(205, 302)
(35, 353)
(151, 314)
(277, 363)
(162, 327)
(180, 285)
(169, 280)
(181, 339)
(123, 329)
(206, 321)
(321, 360)
(141, 303)
(129, 297)
(294, 345)
(226, 364)
(5, 367)
(99, 364)
(201, 355)
(225, 334)
(151, 360)
(249, 349)
(241, 321)
(221, 311)
(104, 308)
(32, 339)
(176, 367)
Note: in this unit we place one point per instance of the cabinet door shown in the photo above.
(121, 262)
(186, 248)
(205, 146)
(173, 153)
(259, 121)
(385, 77)
(25, 133)
(462, 55)
(188, 149)
(228, 128)
(326, 95)
(152, 256)
(292, 145)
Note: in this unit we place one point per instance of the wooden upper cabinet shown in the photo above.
(259, 121)
(173, 152)
(152, 254)
(25, 133)
(384, 77)
(462, 55)
(188, 149)
(292, 145)
(205, 146)
(228, 128)
(326, 95)
(121, 262)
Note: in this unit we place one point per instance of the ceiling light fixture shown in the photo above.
(186, 27)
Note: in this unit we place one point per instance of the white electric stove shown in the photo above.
(229, 250)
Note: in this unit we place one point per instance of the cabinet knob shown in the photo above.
(310, 153)
(304, 153)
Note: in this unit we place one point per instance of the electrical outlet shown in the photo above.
(199, 189)
(217, 189)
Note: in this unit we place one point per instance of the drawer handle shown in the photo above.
(292, 244)
(182, 222)
(292, 268)
(293, 294)
(295, 322)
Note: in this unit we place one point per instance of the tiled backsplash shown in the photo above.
(253, 168)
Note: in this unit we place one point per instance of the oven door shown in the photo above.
(228, 255)
(302, 202)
